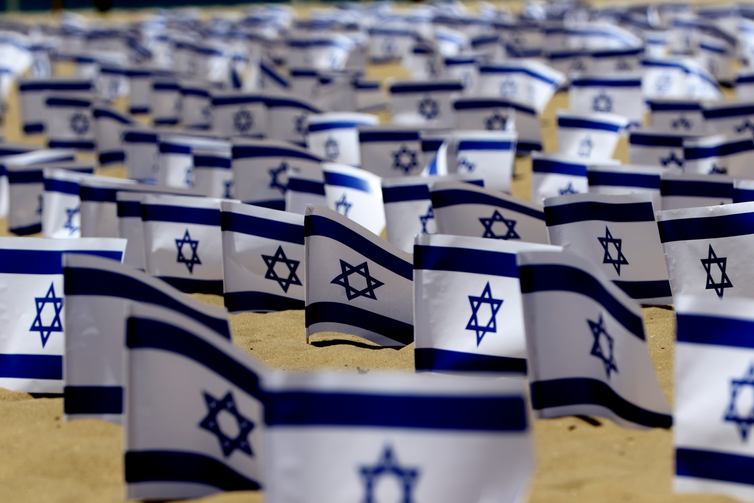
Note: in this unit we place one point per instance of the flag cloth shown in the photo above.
(619, 234)
(356, 282)
(691, 191)
(108, 134)
(490, 155)
(557, 175)
(70, 123)
(34, 92)
(32, 302)
(698, 243)
(587, 353)
(141, 147)
(676, 116)
(97, 292)
(390, 150)
(306, 185)
(213, 176)
(743, 190)
(98, 211)
(655, 148)
(6, 150)
(589, 137)
(528, 81)
(626, 179)
(335, 137)
(406, 438)
(239, 114)
(286, 118)
(183, 382)
(467, 305)
(140, 87)
(368, 95)
(263, 258)
(165, 104)
(489, 113)
(724, 154)
(61, 203)
(618, 94)
(729, 117)
(356, 194)
(678, 77)
(424, 103)
(175, 166)
(196, 104)
(464, 210)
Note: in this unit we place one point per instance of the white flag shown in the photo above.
(590, 137)
(70, 124)
(690, 191)
(655, 148)
(424, 103)
(165, 105)
(287, 118)
(727, 117)
(356, 194)
(724, 154)
(627, 179)
(528, 81)
(108, 131)
(494, 114)
(676, 116)
(391, 150)
(33, 94)
(619, 95)
(490, 155)
(239, 114)
(557, 175)
(98, 211)
(334, 136)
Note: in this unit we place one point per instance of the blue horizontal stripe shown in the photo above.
(719, 466)
(165, 86)
(348, 181)
(486, 145)
(742, 195)
(100, 113)
(693, 153)
(98, 194)
(187, 285)
(431, 144)
(697, 188)
(673, 106)
(556, 277)
(138, 110)
(129, 209)
(613, 179)
(405, 193)
(685, 229)
(346, 314)
(653, 140)
(62, 186)
(306, 186)
(171, 148)
(260, 301)
(93, 399)
(211, 161)
(591, 210)
(75, 144)
(727, 111)
(238, 100)
(248, 151)
(140, 137)
(262, 227)
(26, 176)
(16, 366)
(424, 87)
(438, 360)
(106, 158)
(165, 121)
(606, 83)
(192, 91)
(582, 391)
(528, 146)
(292, 103)
(396, 136)
(316, 225)
(34, 128)
(645, 289)
(445, 198)
(26, 229)
(67, 102)
(441, 258)
(587, 124)
(55, 86)
(43, 261)
(180, 214)
(715, 330)
(327, 126)
(272, 204)
(558, 167)
(485, 103)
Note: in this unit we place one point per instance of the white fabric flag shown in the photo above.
(486, 154)
(678, 77)
(141, 147)
(424, 62)
(97, 292)
(743, 191)
(619, 95)
(676, 116)
(527, 81)
(31, 303)
(271, 80)
(557, 175)
(729, 117)
(70, 124)
(98, 212)
(6, 150)
(655, 148)
(306, 185)
(108, 131)
(690, 191)
(587, 352)
(165, 105)
(591, 137)
(424, 103)
(140, 87)
(368, 95)
(177, 442)
(407, 438)
(467, 307)
(287, 118)
(34, 92)
(462, 209)
(196, 104)
(356, 282)
(464, 68)
(626, 179)
(213, 176)
(263, 260)
(491, 114)
(390, 43)
(356, 194)
(335, 136)
(176, 161)
(323, 51)
(61, 203)
(745, 84)
(390, 150)
(723, 154)
(239, 114)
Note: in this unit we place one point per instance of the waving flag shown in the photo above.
(557, 175)
(678, 77)
(306, 185)
(743, 191)
(356, 194)
(287, 118)
(61, 203)
(356, 282)
(724, 154)
(496, 114)
(424, 103)
(97, 292)
(70, 124)
(590, 137)
(619, 95)
(108, 131)
(464, 68)
(390, 151)
(587, 353)
(239, 114)
(655, 148)
(677, 116)
(335, 137)
(368, 95)
(34, 92)
(527, 81)
(141, 147)
(690, 191)
(140, 87)
(626, 179)
(487, 154)
(729, 117)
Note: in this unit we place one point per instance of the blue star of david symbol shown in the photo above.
(404, 159)
(496, 122)
(623, 65)
(362, 270)
(721, 264)
(476, 303)
(745, 126)
(343, 203)
(466, 165)
(431, 70)
(672, 158)
(207, 113)
(194, 244)
(577, 65)
(291, 264)
(188, 179)
(228, 185)
(497, 217)
(300, 124)
(388, 47)
(40, 204)
(332, 151)
(662, 84)
(70, 213)
(428, 108)
(568, 189)
(178, 105)
(275, 181)
(585, 147)
(424, 219)
(681, 122)
(56, 325)
(608, 258)
(79, 123)
(243, 120)
(388, 465)
(598, 330)
(602, 103)
(718, 170)
(508, 88)
(743, 422)
(211, 424)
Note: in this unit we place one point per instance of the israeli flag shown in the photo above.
(176, 163)
(305, 82)
(112, 82)
(335, 136)
(407, 438)
(389, 43)
(495, 114)
(462, 209)
(713, 380)
(656, 148)
(97, 294)
(745, 84)
(678, 77)
(389, 151)
(611, 179)
(183, 382)
(724, 154)
(306, 185)
(196, 104)
(34, 92)
(587, 352)
(619, 95)
(212, 173)
(70, 123)
(140, 90)
(424, 103)
(31, 305)
(287, 119)
(617, 232)
(557, 175)
(680, 190)
(356, 194)
(434, 151)
(486, 154)
(98, 211)
(356, 282)
(620, 61)
(590, 137)
(677, 116)
(165, 104)
(109, 124)
(423, 61)
(464, 68)
(368, 95)
(61, 203)
(239, 114)
(698, 243)
(528, 81)
(271, 80)
(467, 308)
(264, 263)
(182, 237)
(729, 117)
(141, 147)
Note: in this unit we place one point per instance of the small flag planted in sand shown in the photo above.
(729, 117)
(590, 137)
(306, 185)
(96, 294)
(585, 343)
(108, 132)
(721, 154)
(287, 118)
(677, 116)
(239, 114)
(617, 179)
(390, 150)
(61, 204)
(557, 175)
(356, 282)
(34, 92)
(657, 148)
(99, 208)
(356, 194)
(680, 190)
(70, 124)
(528, 81)
(615, 94)
(500, 114)
(490, 155)
(335, 136)
(425, 103)
(183, 383)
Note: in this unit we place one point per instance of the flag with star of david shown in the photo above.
(616, 94)
(142, 154)
(487, 154)
(389, 150)
(109, 124)
(175, 165)
(32, 304)
(196, 104)
(356, 282)
(61, 203)
(356, 194)
(287, 118)
(679, 77)
(707, 249)
(729, 117)
(590, 137)
(615, 179)
(195, 414)
(680, 190)
(165, 100)
(263, 262)
(619, 234)
(467, 308)
(426, 103)
(405, 438)
(34, 92)
(721, 154)
(212, 171)
(70, 124)
(586, 347)
(461, 209)
(239, 114)
(98, 211)
(306, 185)
(335, 136)
(97, 292)
(677, 116)
(557, 175)
(714, 380)
(656, 148)
(744, 82)
(527, 81)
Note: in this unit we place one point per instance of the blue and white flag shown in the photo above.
(407, 438)
(528, 81)
(61, 203)
(239, 114)
(112, 82)
(335, 136)
(141, 147)
(70, 123)
(727, 117)
(743, 190)
(618, 179)
(176, 162)
(196, 104)
(707, 250)
(495, 114)
(183, 382)
(619, 95)
(305, 82)
(34, 92)
(462, 209)
(557, 175)
(97, 293)
(140, 90)
(424, 103)
(389, 151)
(108, 132)
(678, 77)
(264, 262)
(390, 43)
(467, 307)
(322, 51)
(212, 173)
(464, 68)
(31, 305)
(271, 80)
(676, 116)
(165, 105)
(589, 137)
(287, 118)
(424, 62)
(617, 232)
(98, 211)
(368, 95)
(587, 352)
(489, 155)
(356, 282)
(7, 150)
(680, 190)
(306, 185)
(723, 154)
(356, 194)
(656, 148)
(745, 84)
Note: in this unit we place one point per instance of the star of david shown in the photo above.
(346, 270)
(194, 244)
(585, 147)
(243, 121)
(510, 232)
(476, 303)
(721, 264)
(672, 158)
(681, 122)
(428, 108)
(598, 330)
(300, 124)
(466, 165)
(79, 123)
(207, 113)
(40, 204)
(424, 219)
(70, 213)
(577, 65)
(568, 189)
(178, 105)
(275, 181)
(508, 88)
(431, 70)
(188, 179)
(291, 264)
(343, 203)
(662, 84)
(332, 151)
(745, 126)
(211, 424)
(718, 170)
(404, 159)
(56, 325)
(388, 465)
(623, 65)
(387, 47)
(602, 103)
(496, 122)
(608, 258)
(743, 421)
